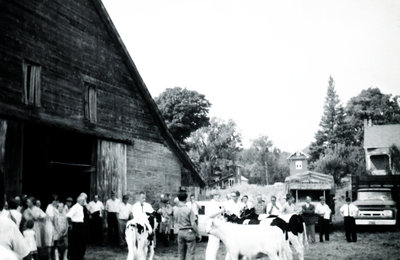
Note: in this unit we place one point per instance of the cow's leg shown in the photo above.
(130, 240)
(285, 253)
(298, 247)
(151, 253)
(212, 247)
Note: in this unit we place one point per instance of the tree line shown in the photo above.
(216, 148)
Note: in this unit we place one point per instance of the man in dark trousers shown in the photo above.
(112, 208)
(77, 230)
(324, 212)
(96, 209)
(349, 211)
(310, 218)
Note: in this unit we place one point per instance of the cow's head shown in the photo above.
(137, 239)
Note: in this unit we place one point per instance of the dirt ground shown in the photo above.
(370, 245)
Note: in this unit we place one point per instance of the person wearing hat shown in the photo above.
(324, 212)
(166, 212)
(112, 209)
(260, 207)
(96, 209)
(68, 204)
(124, 214)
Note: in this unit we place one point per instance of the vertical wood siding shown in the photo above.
(3, 132)
(111, 168)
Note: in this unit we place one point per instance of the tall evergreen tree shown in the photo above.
(332, 124)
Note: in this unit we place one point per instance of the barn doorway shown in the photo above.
(57, 162)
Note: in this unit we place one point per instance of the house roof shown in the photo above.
(298, 155)
(187, 162)
(381, 136)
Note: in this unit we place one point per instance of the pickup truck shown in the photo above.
(376, 206)
(377, 198)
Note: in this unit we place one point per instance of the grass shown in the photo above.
(370, 245)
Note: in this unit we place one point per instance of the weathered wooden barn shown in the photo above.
(75, 115)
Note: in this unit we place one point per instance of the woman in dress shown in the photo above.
(49, 234)
(34, 213)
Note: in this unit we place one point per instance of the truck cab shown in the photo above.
(376, 207)
(377, 198)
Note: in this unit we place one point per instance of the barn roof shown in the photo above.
(381, 136)
(187, 162)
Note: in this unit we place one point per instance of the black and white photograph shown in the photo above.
(199, 129)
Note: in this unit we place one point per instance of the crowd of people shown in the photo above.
(64, 228)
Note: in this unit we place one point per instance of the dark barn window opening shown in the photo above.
(90, 103)
(56, 162)
(31, 83)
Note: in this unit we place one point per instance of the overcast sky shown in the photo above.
(265, 64)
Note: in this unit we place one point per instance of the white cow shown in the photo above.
(140, 238)
(250, 240)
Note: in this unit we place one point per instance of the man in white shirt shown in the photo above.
(124, 214)
(112, 209)
(141, 207)
(76, 232)
(349, 211)
(324, 212)
(273, 208)
(234, 206)
(96, 209)
(214, 210)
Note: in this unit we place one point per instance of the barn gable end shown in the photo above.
(89, 94)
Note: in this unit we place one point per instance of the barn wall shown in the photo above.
(153, 168)
(73, 46)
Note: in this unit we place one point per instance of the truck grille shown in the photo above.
(372, 214)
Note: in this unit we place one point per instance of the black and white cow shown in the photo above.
(295, 229)
(140, 236)
(291, 224)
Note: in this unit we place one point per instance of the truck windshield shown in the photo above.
(374, 195)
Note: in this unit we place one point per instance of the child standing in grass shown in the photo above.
(30, 237)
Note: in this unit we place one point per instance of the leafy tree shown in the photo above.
(264, 164)
(214, 148)
(372, 105)
(332, 124)
(184, 111)
(341, 160)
